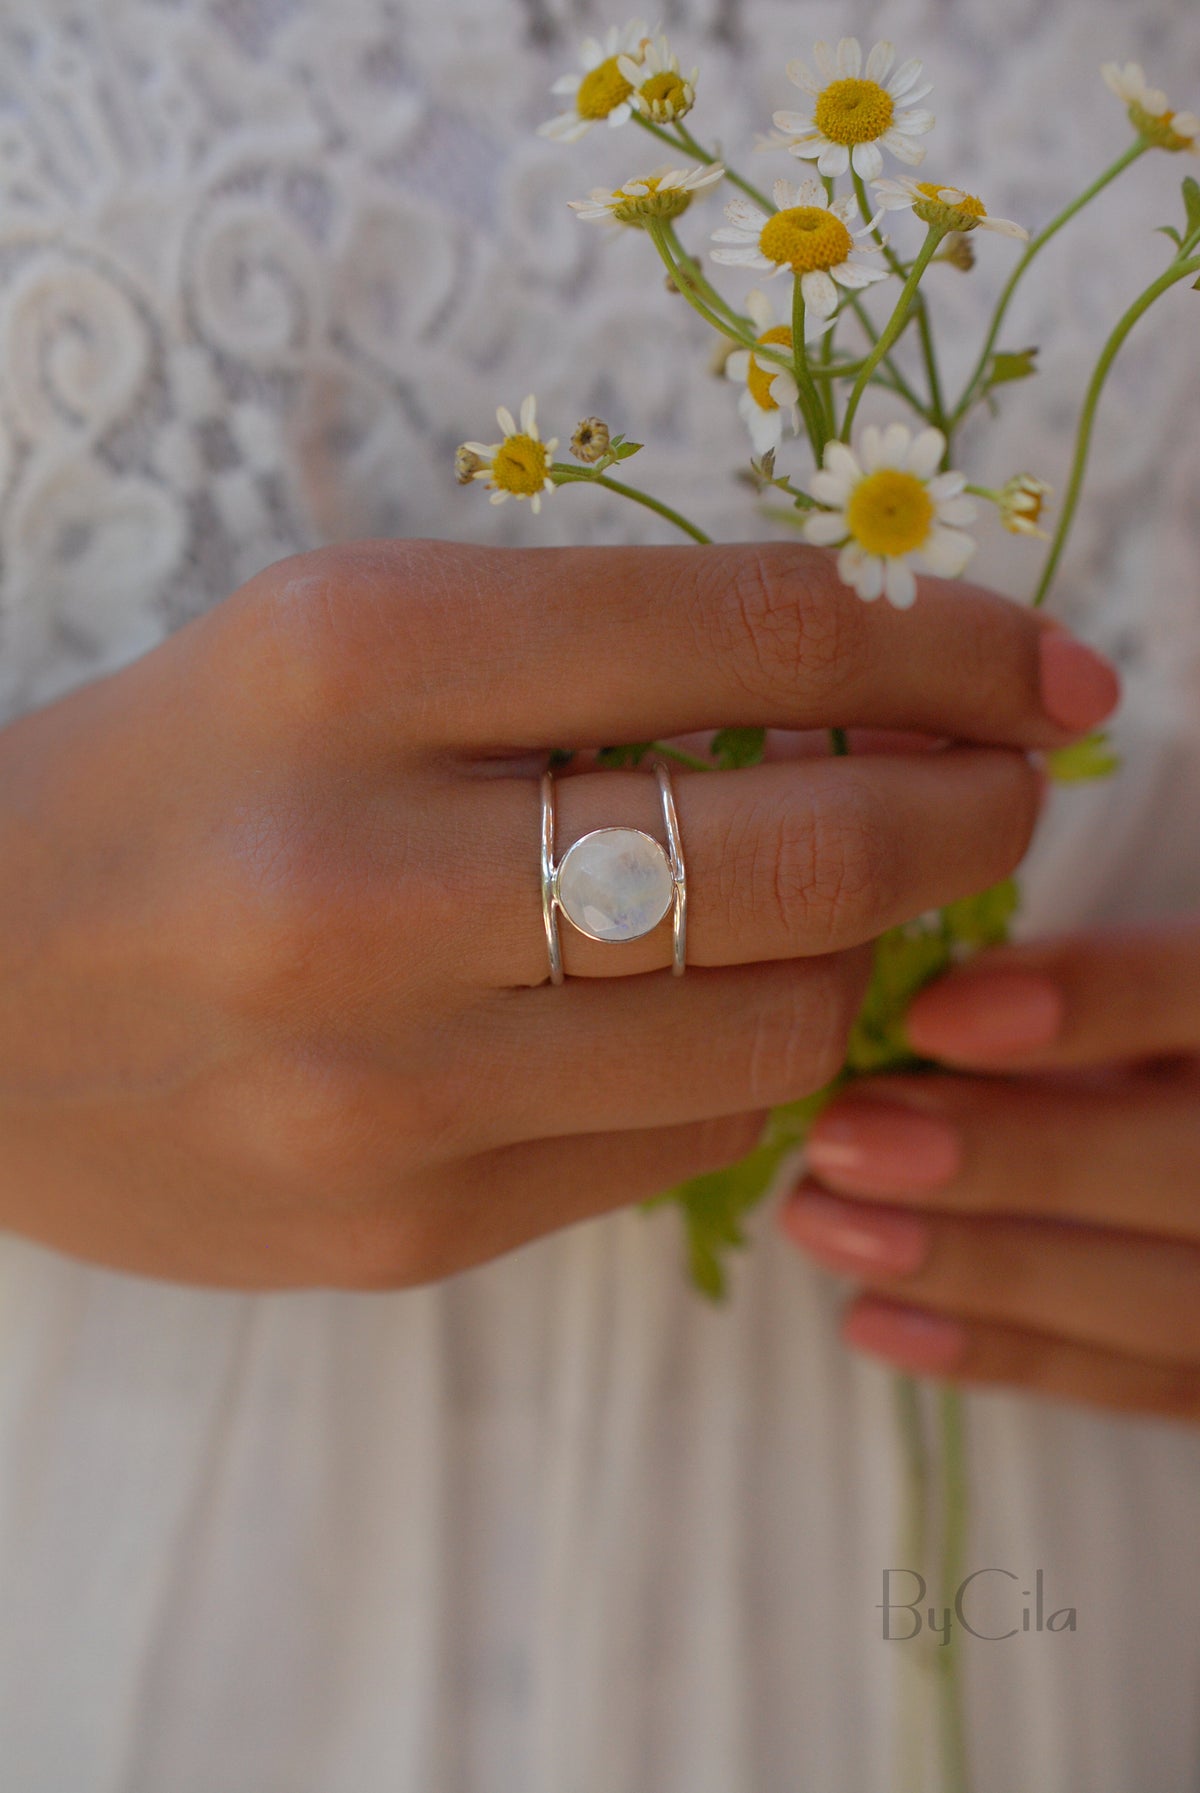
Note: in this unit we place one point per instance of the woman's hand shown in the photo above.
(1040, 1224)
(275, 997)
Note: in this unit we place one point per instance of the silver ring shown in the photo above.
(614, 884)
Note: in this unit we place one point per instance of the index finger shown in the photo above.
(585, 646)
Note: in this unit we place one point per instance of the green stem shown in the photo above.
(894, 324)
(690, 271)
(1178, 270)
(971, 389)
(810, 401)
(901, 384)
(687, 284)
(936, 412)
(565, 476)
(685, 141)
(952, 1730)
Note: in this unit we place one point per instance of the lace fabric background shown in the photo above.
(554, 1526)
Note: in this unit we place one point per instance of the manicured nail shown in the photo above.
(881, 1148)
(912, 1339)
(986, 1015)
(1079, 688)
(852, 1237)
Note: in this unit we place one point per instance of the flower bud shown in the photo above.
(591, 440)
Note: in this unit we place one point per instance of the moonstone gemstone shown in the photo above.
(615, 884)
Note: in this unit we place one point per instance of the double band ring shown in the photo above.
(614, 884)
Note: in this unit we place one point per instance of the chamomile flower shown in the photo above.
(599, 91)
(659, 91)
(1022, 501)
(519, 465)
(948, 206)
(807, 236)
(661, 196)
(889, 509)
(769, 393)
(1149, 113)
(854, 112)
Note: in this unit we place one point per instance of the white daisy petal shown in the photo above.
(849, 59)
(500, 497)
(957, 510)
(766, 428)
(843, 463)
(894, 445)
(784, 194)
(747, 257)
(824, 59)
(946, 485)
(905, 77)
(866, 160)
(914, 124)
(736, 233)
(620, 114)
(868, 447)
(833, 160)
(785, 392)
(820, 294)
(900, 584)
(565, 84)
(903, 148)
(745, 213)
(946, 552)
(845, 208)
(809, 193)
(880, 60)
(759, 310)
(849, 562)
(825, 528)
(1004, 227)
(529, 416)
(792, 122)
(830, 488)
(800, 75)
(738, 365)
(927, 450)
(505, 419)
(869, 580)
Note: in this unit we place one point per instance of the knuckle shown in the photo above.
(785, 629)
(798, 1039)
(835, 874)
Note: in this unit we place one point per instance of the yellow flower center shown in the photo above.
(520, 465)
(759, 378)
(890, 513)
(806, 238)
(602, 90)
(1158, 128)
(854, 111)
(974, 208)
(637, 208)
(665, 90)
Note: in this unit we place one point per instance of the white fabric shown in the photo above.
(556, 1526)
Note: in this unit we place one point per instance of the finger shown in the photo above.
(607, 1054)
(1093, 998)
(782, 860)
(1121, 1154)
(489, 648)
(1122, 1291)
(977, 1352)
(504, 1199)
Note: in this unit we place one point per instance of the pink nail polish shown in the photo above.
(1079, 688)
(881, 1148)
(986, 1016)
(909, 1337)
(852, 1237)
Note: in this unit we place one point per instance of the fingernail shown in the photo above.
(909, 1337)
(986, 1015)
(849, 1236)
(1079, 687)
(880, 1148)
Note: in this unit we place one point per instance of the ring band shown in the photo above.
(615, 884)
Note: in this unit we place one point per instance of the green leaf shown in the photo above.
(1093, 757)
(1019, 364)
(733, 747)
(561, 756)
(626, 449)
(983, 920)
(632, 755)
(1169, 230)
(906, 959)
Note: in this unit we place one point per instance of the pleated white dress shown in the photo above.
(555, 1526)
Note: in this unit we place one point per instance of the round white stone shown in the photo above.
(615, 884)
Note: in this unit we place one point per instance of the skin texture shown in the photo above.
(1035, 1222)
(277, 1009)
